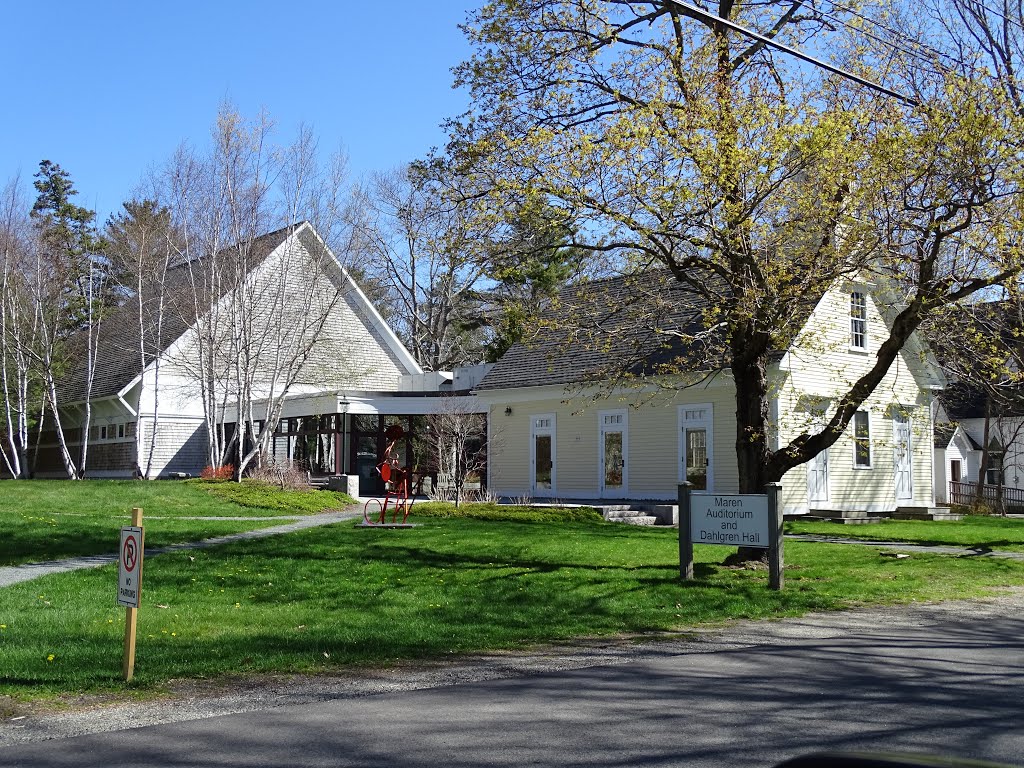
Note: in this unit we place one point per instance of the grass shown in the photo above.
(341, 595)
(977, 532)
(513, 513)
(56, 519)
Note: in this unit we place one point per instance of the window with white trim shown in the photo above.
(858, 320)
(862, 440)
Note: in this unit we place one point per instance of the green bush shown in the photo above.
(306, 501)
(520, 514)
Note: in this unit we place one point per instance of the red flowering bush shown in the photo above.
(223, 472)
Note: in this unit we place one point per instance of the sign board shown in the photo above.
(129, 582)
(737, 520)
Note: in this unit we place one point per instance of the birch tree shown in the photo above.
(18, 332)
(257, 325)
(143, 245)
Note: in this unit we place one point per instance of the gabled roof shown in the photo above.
(637, 326)
(946, 431)
(119, 361)
(627, 327)
(118, 357)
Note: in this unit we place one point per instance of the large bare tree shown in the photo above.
(420, 243)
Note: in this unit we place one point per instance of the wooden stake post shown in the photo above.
(129, 592)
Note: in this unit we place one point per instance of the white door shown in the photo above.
(902, 457)
(817, 471)
(542, 454)
(696, 446)
(612, 454)
(817, 478)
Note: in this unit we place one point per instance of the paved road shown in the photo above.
(942, 678)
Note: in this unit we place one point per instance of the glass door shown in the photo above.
(612, 481)
(542, 455)
(697, 458)
(696, 446)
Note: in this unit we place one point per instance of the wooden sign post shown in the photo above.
(129, 588)
(739, 520)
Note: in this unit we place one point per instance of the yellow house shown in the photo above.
(586, 409)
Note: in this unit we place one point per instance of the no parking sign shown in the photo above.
(129, 586)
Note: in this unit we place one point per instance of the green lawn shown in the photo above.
(47, 520)
(977, 532)
(342, 595)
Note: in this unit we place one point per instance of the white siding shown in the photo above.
(821, 366)
(181, 446)
(653, 441)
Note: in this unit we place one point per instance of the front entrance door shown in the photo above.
(542, 455)
(613, 445)
(696, 446)
(817, 471)
(902, 457)
(817, 479)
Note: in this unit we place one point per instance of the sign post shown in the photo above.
(776, 577)
(129, 587)
(739, 520)
(685, 540)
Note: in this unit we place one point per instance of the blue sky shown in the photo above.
(108, 89)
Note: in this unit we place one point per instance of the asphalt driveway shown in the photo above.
(945, 678)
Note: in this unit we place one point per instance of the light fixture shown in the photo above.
(508, 410)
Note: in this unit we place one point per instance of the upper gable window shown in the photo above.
(858, 320)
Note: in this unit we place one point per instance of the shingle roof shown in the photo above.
(944, 435)
(624, 327)
(118, 356)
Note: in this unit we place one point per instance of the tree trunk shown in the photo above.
(979, 490)
(752, 451)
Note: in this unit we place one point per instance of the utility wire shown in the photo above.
(896, 35)
(891, 43)
(700, 13)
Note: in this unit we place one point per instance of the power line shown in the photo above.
(693, 10)
(892, 42)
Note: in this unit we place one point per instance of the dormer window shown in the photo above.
(858, 320)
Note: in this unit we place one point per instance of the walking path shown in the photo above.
(905, 547)
(18, 573)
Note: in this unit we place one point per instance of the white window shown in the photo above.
(103, 432)
(862, 440)
(120, 430)
(858, 320)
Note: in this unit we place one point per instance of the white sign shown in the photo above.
(129, 582)
(738, 520)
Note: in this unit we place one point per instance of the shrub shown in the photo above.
(306, 501)
(283, 474)
(509, 513)
(223, 472)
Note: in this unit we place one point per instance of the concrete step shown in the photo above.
(635, 520)
(625, 514)
(926, 513)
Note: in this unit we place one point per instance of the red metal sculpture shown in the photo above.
(396, 485)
